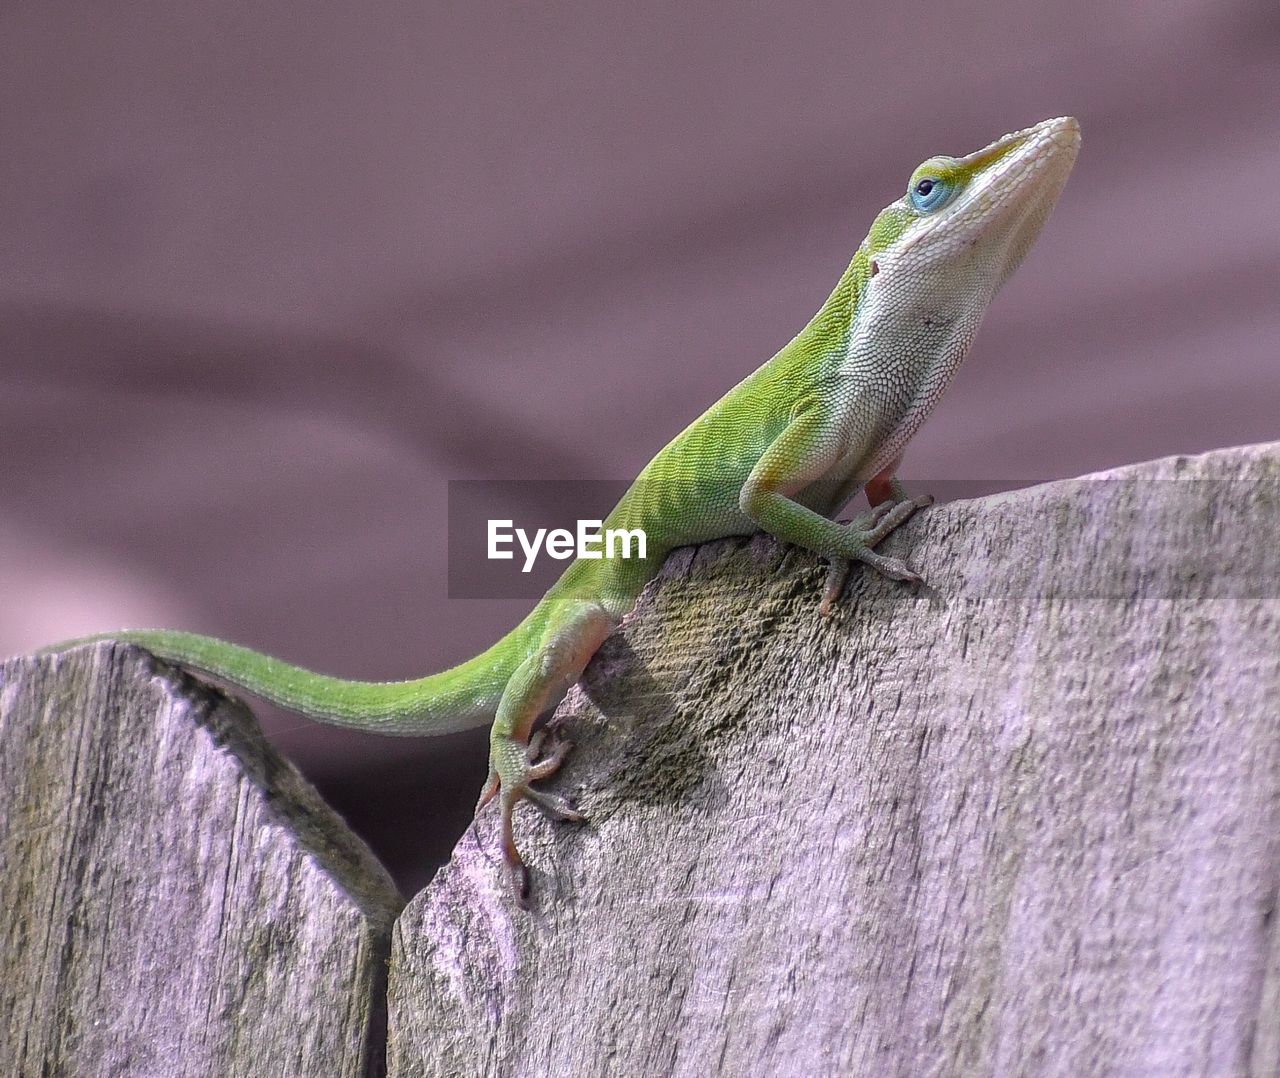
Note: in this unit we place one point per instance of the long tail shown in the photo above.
(463, 696)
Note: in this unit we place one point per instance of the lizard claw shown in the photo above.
(893, 568)
(867, 530)
(487, 792)
(554, 806)
(550, 763)
(837, 575)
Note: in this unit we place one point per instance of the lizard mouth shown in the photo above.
(1016, 181)
(1027, 165)
(1023, 176)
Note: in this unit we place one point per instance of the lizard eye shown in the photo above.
(929, 192)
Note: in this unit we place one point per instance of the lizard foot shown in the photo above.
(512, 767)
(865, 532)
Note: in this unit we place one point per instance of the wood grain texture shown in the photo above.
(1024, 821)
(175, 899)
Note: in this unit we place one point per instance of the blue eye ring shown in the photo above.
(929, 193)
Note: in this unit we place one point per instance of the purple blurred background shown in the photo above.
(273, 274)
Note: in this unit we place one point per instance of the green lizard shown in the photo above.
(783, 452)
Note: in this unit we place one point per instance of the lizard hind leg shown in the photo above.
(540, 767)
(573, 636)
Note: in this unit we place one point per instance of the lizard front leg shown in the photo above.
(801, 454)
(572, 637)
(891, 505)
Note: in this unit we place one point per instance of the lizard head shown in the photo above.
(972, 219)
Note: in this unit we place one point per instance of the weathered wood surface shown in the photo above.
(1026, 821)
(174, 898)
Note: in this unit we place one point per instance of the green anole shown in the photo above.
(783, 452)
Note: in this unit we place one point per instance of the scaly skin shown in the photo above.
(781, 452)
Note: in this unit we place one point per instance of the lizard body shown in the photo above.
(783, 451)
